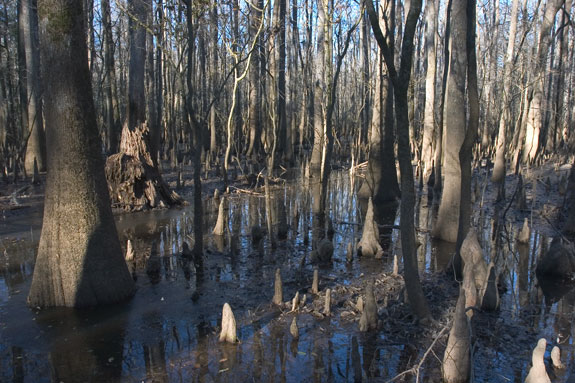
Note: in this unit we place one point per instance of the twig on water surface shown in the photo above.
(415, 369)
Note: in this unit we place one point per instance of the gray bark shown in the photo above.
(80, 261)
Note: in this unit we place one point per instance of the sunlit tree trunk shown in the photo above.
(214, 77)
(319, 89)
(80, 261)
(430, 75)
(446, 225)
(499, 168)
(254, 89)
(535, 115)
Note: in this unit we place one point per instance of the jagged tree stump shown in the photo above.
(134, 181)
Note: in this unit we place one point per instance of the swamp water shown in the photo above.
(169, 331)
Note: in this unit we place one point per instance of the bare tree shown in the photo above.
(400, 79)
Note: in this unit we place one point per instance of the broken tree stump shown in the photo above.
(229, 332)
(220, 228)
(134, 181)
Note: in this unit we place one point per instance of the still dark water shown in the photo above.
(168, 331)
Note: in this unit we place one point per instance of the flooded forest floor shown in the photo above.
(169, 331)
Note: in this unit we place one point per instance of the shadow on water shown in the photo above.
(168, 331)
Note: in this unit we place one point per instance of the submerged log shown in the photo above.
(456, 360)
(134, 181)
(538, 373)
(369, 244)
(368, 319)
(229, 332)
(278, 289)
(220, 228)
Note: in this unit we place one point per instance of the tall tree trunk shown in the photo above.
(429, 112)
(36, 145)
(560, 76)
(499, 168)
(111, 107)
(280, 62)
(466, 152)
(400, 81)
(438, 152)
(254, 90)
(196, 128)
(535, 115)
(319, 90)
(381, 177)
(80, 261)
(447, 223)
(214, 78)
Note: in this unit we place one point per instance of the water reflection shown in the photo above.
(169, 331)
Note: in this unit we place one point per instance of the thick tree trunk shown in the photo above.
(446, 226)
(80, 261)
